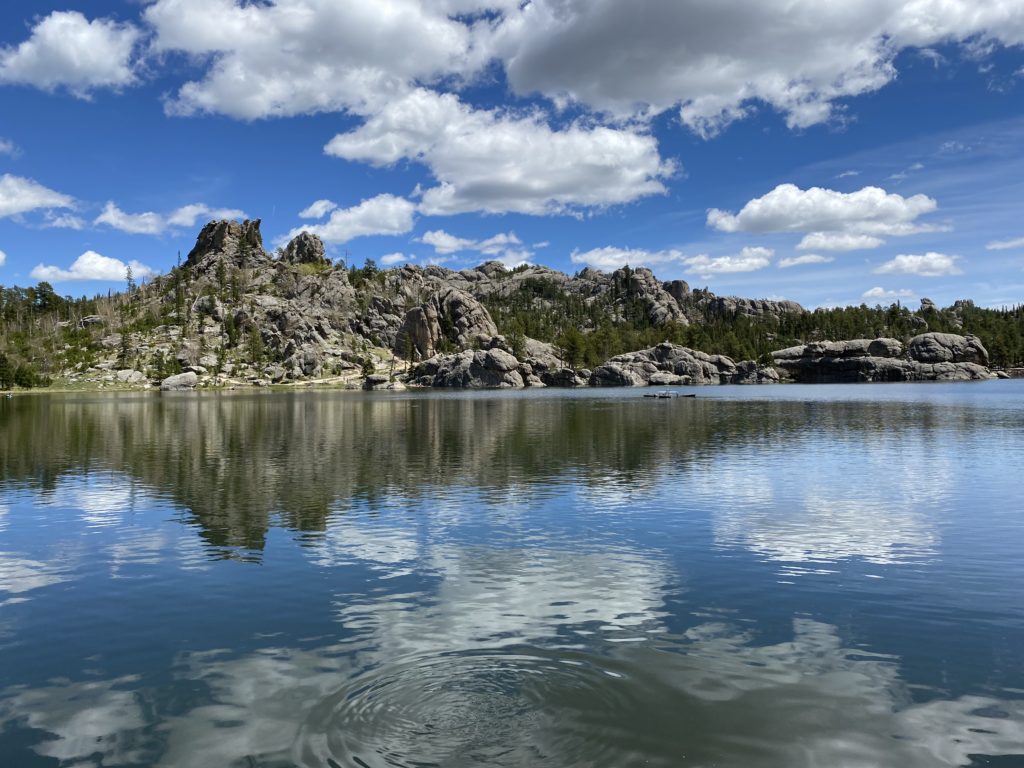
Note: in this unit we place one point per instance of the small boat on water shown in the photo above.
(666, 395)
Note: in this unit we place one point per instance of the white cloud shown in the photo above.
(188, 215)
(929, 264)
(150, 223)
(485, 160)
(446, 243)
(1004, 245)
(611, 258)
(395, 258)
(318, 209)
(19, 195)
(294, 57)
(832, 220)
(134, 223)
(3, 258)
(847, 174)
(380, 215)
(64, 221)
(880, 293)
(714, 61)
(67, 50)
(92, 266)
(8, 147)
(807, 258)
(749, 259)
(504, 247)
(838, 241)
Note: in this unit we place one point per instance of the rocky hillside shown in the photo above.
(234, 314)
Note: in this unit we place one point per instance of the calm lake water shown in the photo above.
(776, 576)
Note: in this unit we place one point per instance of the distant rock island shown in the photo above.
(233, 314)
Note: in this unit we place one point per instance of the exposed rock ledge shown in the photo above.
(494, 365)
(928, 357)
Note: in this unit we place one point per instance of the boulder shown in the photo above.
(129, 376)
(179, 383)
(947, 348)
(379, 382)
(471, 369)
(656, 364)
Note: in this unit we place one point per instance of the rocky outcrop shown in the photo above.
(451, 315)
(305, 248)
(948, 348)
(471, 369)
(181, 383)
(662, 365)
(734, 306)
(928, 357)
(671, 364)
(240, 240)
(495, 365)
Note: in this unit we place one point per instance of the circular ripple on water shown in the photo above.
(470, 709)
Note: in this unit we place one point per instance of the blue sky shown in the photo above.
(827, 153)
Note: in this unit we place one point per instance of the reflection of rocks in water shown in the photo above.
(709, 697)
(240, 463)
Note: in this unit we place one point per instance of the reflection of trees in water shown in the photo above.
(243, 462)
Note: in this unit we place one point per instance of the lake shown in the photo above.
(761, 576)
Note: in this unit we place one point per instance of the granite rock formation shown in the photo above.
(928, 357)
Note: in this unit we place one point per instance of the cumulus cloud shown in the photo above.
(807, 258)
(444, 242)
(380, 215)
(150, 223)
(929, 264)
(3, 258)
(749, 259)
(92, 266)
(832, 220)
(294, 57)
(711, 62)
(715, 61)
(1005, 245)
(485, 160)
(67, 50)
(395, 258)
(879, 293)
(611, 258)
(19, 195)
(318, 209)
(505, 247)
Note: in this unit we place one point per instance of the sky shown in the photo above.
(830, 153)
